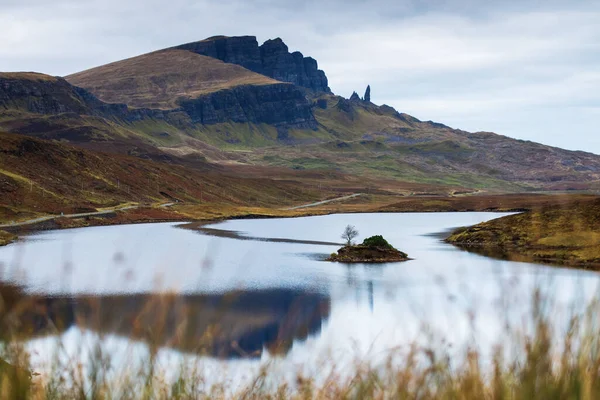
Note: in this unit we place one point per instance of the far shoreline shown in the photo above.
(109, 220)
(199, 215)
(199, 224)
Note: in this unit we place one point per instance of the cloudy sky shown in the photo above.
(523, 68)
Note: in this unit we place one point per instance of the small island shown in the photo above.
(372, 250)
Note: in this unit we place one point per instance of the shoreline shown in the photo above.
(564, 235)
(110, 219)
(196, 216)
(515, 254)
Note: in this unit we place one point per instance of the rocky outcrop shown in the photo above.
(354, 97)
(280, 104)
(240, 50)
(43, 94)
(368, 94)
(367, 254)
(272, 59)
(279, 63)
(321, 103)
(346, 106)
(40, 94)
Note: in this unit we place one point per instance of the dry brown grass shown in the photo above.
(6, 238)
(161, 78)
(33, 76)
(484, 202)
(567, 232)
(541, 364)
(43, 177)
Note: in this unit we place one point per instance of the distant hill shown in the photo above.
(228, 100)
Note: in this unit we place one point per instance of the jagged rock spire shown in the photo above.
(368, 93)
(355, 97)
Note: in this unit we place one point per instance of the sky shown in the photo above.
(527, 69)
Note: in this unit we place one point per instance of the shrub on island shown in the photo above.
(374, 249)
(377, 241)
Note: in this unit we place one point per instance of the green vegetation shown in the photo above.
(561, 234)
(377, 241)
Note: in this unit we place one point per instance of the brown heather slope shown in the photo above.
(39, 176)
(162, 78)
(484, 202)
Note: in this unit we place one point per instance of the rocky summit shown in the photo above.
(272, 59)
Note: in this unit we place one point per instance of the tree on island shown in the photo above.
(349, 234)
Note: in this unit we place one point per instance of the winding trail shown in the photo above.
(318, 203)
(131, 207)
(79, 215)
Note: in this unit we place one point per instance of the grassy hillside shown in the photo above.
(364, 139)
(38, 176)
(352, 137)
(567, 233)
(160, 79)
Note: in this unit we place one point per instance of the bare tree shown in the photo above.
(349, 234)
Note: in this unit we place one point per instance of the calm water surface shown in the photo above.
(274, 301)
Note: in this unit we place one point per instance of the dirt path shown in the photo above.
(318, 203)
(80, 215)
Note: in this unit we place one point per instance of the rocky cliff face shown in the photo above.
(272, 59)
(43, 94)
(280, 64)
(39, 94)
(280, 104)
(240, 50)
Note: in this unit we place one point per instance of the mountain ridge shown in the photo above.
(211, 112)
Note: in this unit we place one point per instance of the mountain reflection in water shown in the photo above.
(230, 325)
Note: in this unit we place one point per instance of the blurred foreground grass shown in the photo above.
(543, 364)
